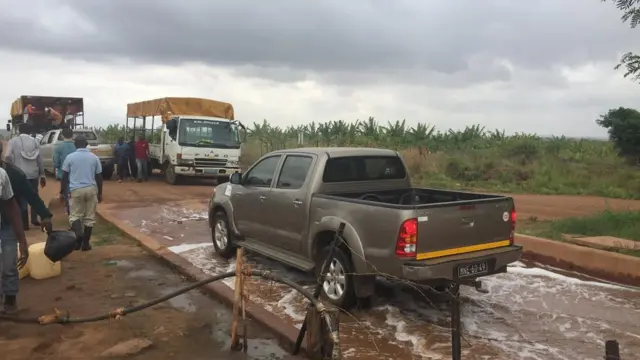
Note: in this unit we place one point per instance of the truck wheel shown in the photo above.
(337, 282)
(170, 175)
(222, 180)
(221, 236)
(107, 172)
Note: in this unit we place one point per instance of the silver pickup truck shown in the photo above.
(290, 203)
(104, 151)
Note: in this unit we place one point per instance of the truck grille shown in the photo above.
(210, 162)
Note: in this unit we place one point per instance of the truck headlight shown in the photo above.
(185, 162)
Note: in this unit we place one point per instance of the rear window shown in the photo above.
(363, 168)
(89, 135)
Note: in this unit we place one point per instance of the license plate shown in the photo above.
(473, 269)
(210, 171)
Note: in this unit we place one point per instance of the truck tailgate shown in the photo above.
(464, 227)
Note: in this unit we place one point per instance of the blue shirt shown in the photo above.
(60, 154)
(82, 166)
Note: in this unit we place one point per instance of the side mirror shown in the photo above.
(235, 178)
(8, 127)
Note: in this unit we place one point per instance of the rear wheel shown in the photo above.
(221, 236)
(107, 172)
(337, 281)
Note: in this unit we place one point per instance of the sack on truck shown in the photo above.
(60, 243)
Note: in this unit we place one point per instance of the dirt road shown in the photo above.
(115, 274)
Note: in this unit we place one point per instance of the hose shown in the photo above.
(60, 318)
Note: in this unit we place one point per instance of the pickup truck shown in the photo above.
(102, 150)
(289, 204)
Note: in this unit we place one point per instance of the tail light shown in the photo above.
(179, 156)
(407, 238)
(513, 225)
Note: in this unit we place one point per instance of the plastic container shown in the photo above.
(40, 267)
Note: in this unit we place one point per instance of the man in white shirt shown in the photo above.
(24, 152)
(9, 207)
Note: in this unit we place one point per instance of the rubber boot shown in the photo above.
(86, 246)
(10, 305)
(76, 227)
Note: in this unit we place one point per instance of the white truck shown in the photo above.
(197, 138)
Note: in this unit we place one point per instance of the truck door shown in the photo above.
(287, 205)
(250, 199)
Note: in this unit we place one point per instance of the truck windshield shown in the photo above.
(208, 133)
(363, 168)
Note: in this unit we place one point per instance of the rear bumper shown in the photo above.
(205, 172)
(446, 268)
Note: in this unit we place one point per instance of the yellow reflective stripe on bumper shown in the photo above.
(462, 250)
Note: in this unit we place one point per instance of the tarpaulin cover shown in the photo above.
(166, 107)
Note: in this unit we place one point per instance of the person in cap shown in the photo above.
(23, 151)
(82, 175)
(10, 240)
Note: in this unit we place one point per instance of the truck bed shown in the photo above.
(411, 197)
(448, 222)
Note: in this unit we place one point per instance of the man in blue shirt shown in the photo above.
(60, 153)
(82, 175)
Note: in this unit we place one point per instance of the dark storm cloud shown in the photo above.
(328, 36)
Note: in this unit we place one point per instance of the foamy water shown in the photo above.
(529, 313)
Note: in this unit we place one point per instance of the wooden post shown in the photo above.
(611, 350)
(456, 346)
(237, 301)
(319, 341)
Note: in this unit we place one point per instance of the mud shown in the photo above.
(114, 274)
(532, 312)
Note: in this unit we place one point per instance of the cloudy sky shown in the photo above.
(544, 66)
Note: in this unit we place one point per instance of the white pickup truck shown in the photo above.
(102, 150)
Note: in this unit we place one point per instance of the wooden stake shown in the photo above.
(237, 299)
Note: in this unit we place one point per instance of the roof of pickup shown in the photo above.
(341, 151)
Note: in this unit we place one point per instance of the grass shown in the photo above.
(104, 233)
(512, 168)
(624, 224)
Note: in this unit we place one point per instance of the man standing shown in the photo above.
(131, 155)
(24, 152)
(120, 153)
(9, 240)
(60, 153)
(82, 175)
(142, 158)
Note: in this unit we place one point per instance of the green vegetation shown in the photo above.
(631, 15)
(625, 225)
(473, 158)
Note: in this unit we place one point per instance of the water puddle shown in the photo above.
(530, 313)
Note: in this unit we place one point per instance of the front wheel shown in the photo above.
(170, 175)
(221, 236)
(337, 280)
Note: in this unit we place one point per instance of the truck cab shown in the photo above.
(198, 146)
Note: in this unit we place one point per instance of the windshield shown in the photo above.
(208, 133)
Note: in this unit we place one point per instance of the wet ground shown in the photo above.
(118, 273)
(532, 312)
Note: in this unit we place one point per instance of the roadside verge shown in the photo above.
(606, 265)
(285, 332)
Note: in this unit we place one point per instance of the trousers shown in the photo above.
(8, 261)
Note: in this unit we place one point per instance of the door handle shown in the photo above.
(297, 202)
(263, 198)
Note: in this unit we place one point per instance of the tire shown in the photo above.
(340, 294)
(222, 180)
(221, 236)
(107, 172)
(170, 175)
